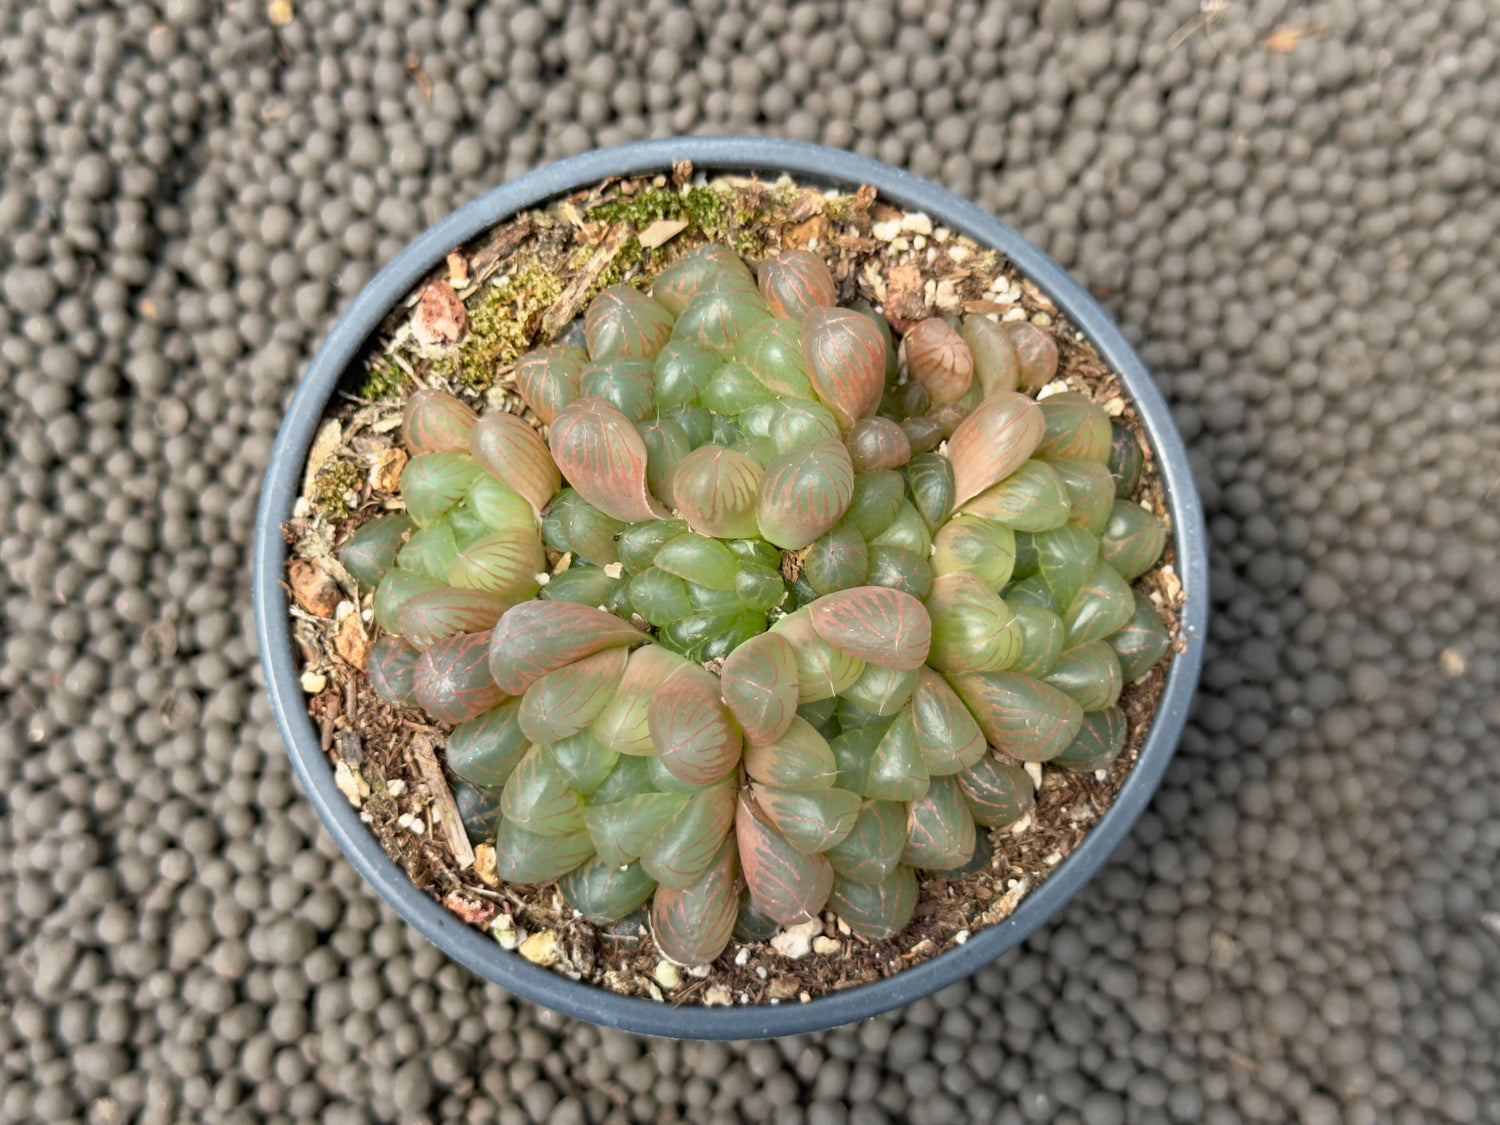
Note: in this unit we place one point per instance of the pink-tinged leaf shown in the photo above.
(548, 379)
(1036, 352)
(504, 563)
(602, 455)
(896, 770)
(434, 614)
(789, 885)
(993, 442)
(537, 637)
(678, 854)
(875, 623)
(871, 851)
(513, 453)
(845, 355)
(622, 829)
(715, 489)
(624, 725)
(877, 443)
(795, 282)
(529, 857)
(876, 911)
(485, 750)
(804, 492)
(566, 700)
(940, 831)
(948, 738)
(434, 422)
(623, 321)
(452, 680)
(998, 793)
(393, 669)
(997, 366)
(1021, 717)
(938, 358)
(537, 797)
(693, 925)
(758, 682)
(693, 732)
(822, 670)
(814, 820)
(800, 759)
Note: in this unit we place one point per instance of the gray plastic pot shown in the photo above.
(770, 158)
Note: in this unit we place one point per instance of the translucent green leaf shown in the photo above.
(498, 506)
(1042, 634)
(992, 443)
(923, 434)
(716, 491)
(485, 750)
(548, 379)
(630, 777)
(623, 321)
(1020, 716)
(703, 270)
(907, 532)
(692, 926)
(1133, 540)
(622, 829)
(1076, 427)
(529, 857)
(700, 560)
(718, 320)
(998, 793)
(882, 691)
(686, 846)
(432, 483)
(876, 911)
(803, 493)
(638, 542)
(513, 453)
(585, 762)
(1141, 641)
(849, 715)
(1099, 741)
(853, 750)
(623, 725)
(605, 892)
(1033, 498)
(624, 383)
(772, 350)
(692, 730)
(431, 550)
(789, 885)
(896, 771)
(1091, 490)
(929, 483)
(537, 797)
(503, 563)
(800, 424)
(973, 630)
(759, 684)
(1103, 606)
(1090, 673)
(712, 634)
(666, 446)
(940, 832)
(1065, 556)
(682, 370)
(695, 421)
(823, 671)
(948, 738)
(734, 389)
(565, 700)
(581, 584)
(901, 570)
(877, 498)
(1032, 591)
(434, 422)
(812, 819)
(1126, 460)
(984, 547)
(799, 759)
(659, 597)
(392, 669)
(537, 637)
(871, 851)
(997, 367)
(371, 551)
(479, 809)
(877, 443)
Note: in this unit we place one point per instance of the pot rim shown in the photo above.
(808, 163)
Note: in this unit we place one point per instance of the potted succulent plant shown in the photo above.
(724, 615)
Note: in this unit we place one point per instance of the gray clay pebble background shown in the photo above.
(1290, 207)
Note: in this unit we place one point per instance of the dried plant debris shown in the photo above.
(518, 287)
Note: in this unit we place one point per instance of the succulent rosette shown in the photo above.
(773, 618)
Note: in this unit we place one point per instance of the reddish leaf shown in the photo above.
(434, 422)
(623, 321)
(789, 885)
(548, 378)
(392, 670)
(565, 700)
(1020, 716)
(998, 793)
(441, 612)
(504, 563)
(606, 892)
(938, 359)
(803, 493)
(1099, 741)
(993, 442)
(693, 925)
(845, 356)
(796, 281)
(691, 728)
(602, 455)
(875, 623)
(452, 681)
(997, 366)
(515, 454)
(537, 637)
(758, 682)
(877, 443)
(1076, 427)
(1036, 351)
